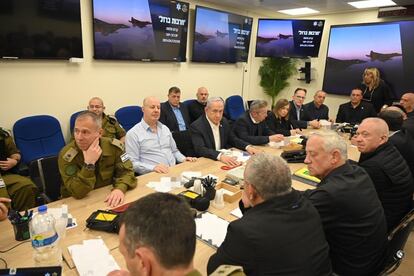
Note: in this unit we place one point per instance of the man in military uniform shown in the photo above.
(92, 161)
(111, 127)
(19, 189)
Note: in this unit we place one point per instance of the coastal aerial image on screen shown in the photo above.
(275, 38)
(353, 48)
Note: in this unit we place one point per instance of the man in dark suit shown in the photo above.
(196, 108)
(281, 234)
(211, 133)
(297, 112)
(351, 213)
(252, 128)
(316, 109)
(399, 136)
(355, 110)
(175, 116)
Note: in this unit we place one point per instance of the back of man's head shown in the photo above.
(164, 224)
(393, 118)
(269, 174)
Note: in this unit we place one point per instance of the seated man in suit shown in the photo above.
(20, 189)
(316, 110)
(407, 101)
(175, 116)
(150, 144)
(196, 108)
(297, 112)
(355, 110)
(399, 136)
(91, 161)
(351, 213)
(281, 234)
(211, 132)
(110, 126)
(252, 128)
(387, 168)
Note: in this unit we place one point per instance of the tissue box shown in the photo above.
(231, 193)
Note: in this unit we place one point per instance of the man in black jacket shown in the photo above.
(356, 110)
(196, 108)
(175, 116)
(399, 136)
(211, 133)
(297, 112)
(316, 109)
(252, 128)
(351, 214)
(281, 234)
(387, 169)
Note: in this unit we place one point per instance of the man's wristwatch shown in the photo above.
(89, 167)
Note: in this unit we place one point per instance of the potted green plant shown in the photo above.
(274, 74)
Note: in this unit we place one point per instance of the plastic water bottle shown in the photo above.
(45, 239)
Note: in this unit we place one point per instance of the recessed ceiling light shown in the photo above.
(372, 3)
(299, 11)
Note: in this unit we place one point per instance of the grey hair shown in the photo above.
(257, 104)
(331, 141)
(213, 100)
(95, 118)
(269, 174)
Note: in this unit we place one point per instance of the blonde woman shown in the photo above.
(374, 89)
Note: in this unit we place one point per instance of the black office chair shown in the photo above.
(396, 242)
(45, 173)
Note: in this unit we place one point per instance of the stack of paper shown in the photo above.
(92, 258)
(165, 185)
(211, 229)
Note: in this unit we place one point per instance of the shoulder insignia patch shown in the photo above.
(5, 132)
(124, 157)
(71, 169)
(70, 154)
(118, 144)
(112, 119)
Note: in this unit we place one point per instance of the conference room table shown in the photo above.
(81, 209)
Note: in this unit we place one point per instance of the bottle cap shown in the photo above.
(42, 208)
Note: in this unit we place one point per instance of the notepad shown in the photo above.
(304, 176)
(211, 229)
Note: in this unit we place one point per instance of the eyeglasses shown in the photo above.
(95, 106)
(300, 97)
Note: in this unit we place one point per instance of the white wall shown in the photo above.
(59, 88)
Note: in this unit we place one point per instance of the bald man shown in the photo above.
(387, 168)
(150, 144)
(196, 108)
(407, 101)
(111, 127)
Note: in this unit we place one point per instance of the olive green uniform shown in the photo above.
(21, 190)
(111, 127)
(112, 167)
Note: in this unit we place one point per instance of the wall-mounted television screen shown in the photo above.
(35, 29)
(220, 37)
(289, 38)
(387, 46)
(148, 30)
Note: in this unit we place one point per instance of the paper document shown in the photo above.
(92, 258)
(211, 229)
(237, 213)
(165, 185)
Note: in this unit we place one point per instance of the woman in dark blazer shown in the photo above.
(375, 90)
(278, 119)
